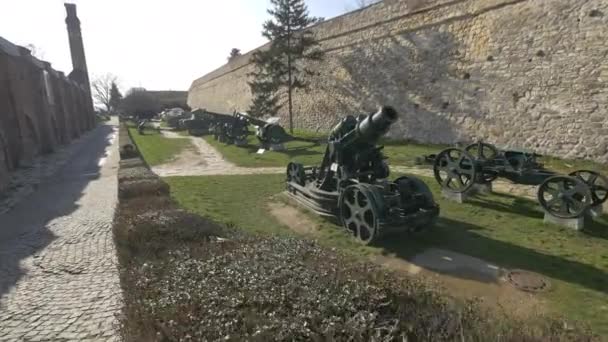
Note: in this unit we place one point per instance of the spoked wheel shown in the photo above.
(482, 151)
(598, 185)
(359, 212)
(564, 196)
(295, 173)
(454, 170)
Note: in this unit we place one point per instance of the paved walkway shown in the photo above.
(58, 276)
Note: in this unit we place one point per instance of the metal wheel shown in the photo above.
(598, 185)
(482, 151)
(564, 196)
(454, 170)
(414, 188)
(295, 173)
(359, 212)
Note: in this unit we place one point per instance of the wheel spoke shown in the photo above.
(446, 182)
(553, 201)
(592, 178)
(460, 182)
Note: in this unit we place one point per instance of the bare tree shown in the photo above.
(102, 90)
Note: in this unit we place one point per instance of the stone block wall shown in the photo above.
(40, 108)
(520, 73)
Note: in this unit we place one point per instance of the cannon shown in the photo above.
(271, 135)
(199, 123)
(352, 185)
(457, 170)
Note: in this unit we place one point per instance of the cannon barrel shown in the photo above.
(372, 128)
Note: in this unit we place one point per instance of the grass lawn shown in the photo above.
(402, 153)
(399, 153)
(502, 229)
(307, 153)
(157, 149)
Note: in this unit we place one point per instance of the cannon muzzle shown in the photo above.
(376, 125)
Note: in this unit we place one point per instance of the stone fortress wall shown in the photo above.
(519, 73)
(40, 108)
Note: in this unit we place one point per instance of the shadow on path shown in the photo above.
(24, 230)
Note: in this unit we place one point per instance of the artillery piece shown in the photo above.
(351, 183)
(271, 135)
(199, 123)
(457, 170)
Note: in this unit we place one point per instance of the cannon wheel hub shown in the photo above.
(565, 196)
(454, 170)
(597, 183)
(359, 212)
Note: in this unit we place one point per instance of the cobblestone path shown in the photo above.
(58, 276)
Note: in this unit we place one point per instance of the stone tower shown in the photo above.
(80, 72)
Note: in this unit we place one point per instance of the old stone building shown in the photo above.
(40, 108)
(519, 73)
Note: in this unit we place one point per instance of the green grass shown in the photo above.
(399, 153)
(502, 229)
(157, 149)
(307, 153)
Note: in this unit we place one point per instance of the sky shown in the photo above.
(155, 44)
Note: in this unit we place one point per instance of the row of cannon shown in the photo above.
(232, 129)
(352, 182)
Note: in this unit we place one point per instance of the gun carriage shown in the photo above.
(271, 135)
(352, 184)
(457, 170)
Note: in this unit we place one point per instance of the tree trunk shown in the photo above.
(289, 95)
(289, 74)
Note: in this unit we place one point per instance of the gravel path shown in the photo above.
(204, 161)
(58, 276)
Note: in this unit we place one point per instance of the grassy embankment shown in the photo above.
(157, 149)
(502, 229)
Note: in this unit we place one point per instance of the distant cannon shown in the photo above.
(271, 135)
(351, 183)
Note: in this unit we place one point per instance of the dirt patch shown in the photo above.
(463, 276)
(495, 294)
(292, 218)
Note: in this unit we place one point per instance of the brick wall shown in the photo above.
(520, 73)
(40, 108)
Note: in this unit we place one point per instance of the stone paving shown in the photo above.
(58, 275)
(25, 180)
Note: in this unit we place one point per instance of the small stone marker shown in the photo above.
(577, 223)
(458, 197)
(277, 147)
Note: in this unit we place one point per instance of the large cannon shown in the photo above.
(271, 135)
(351, 183)
(457, 170)
(199, 123)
